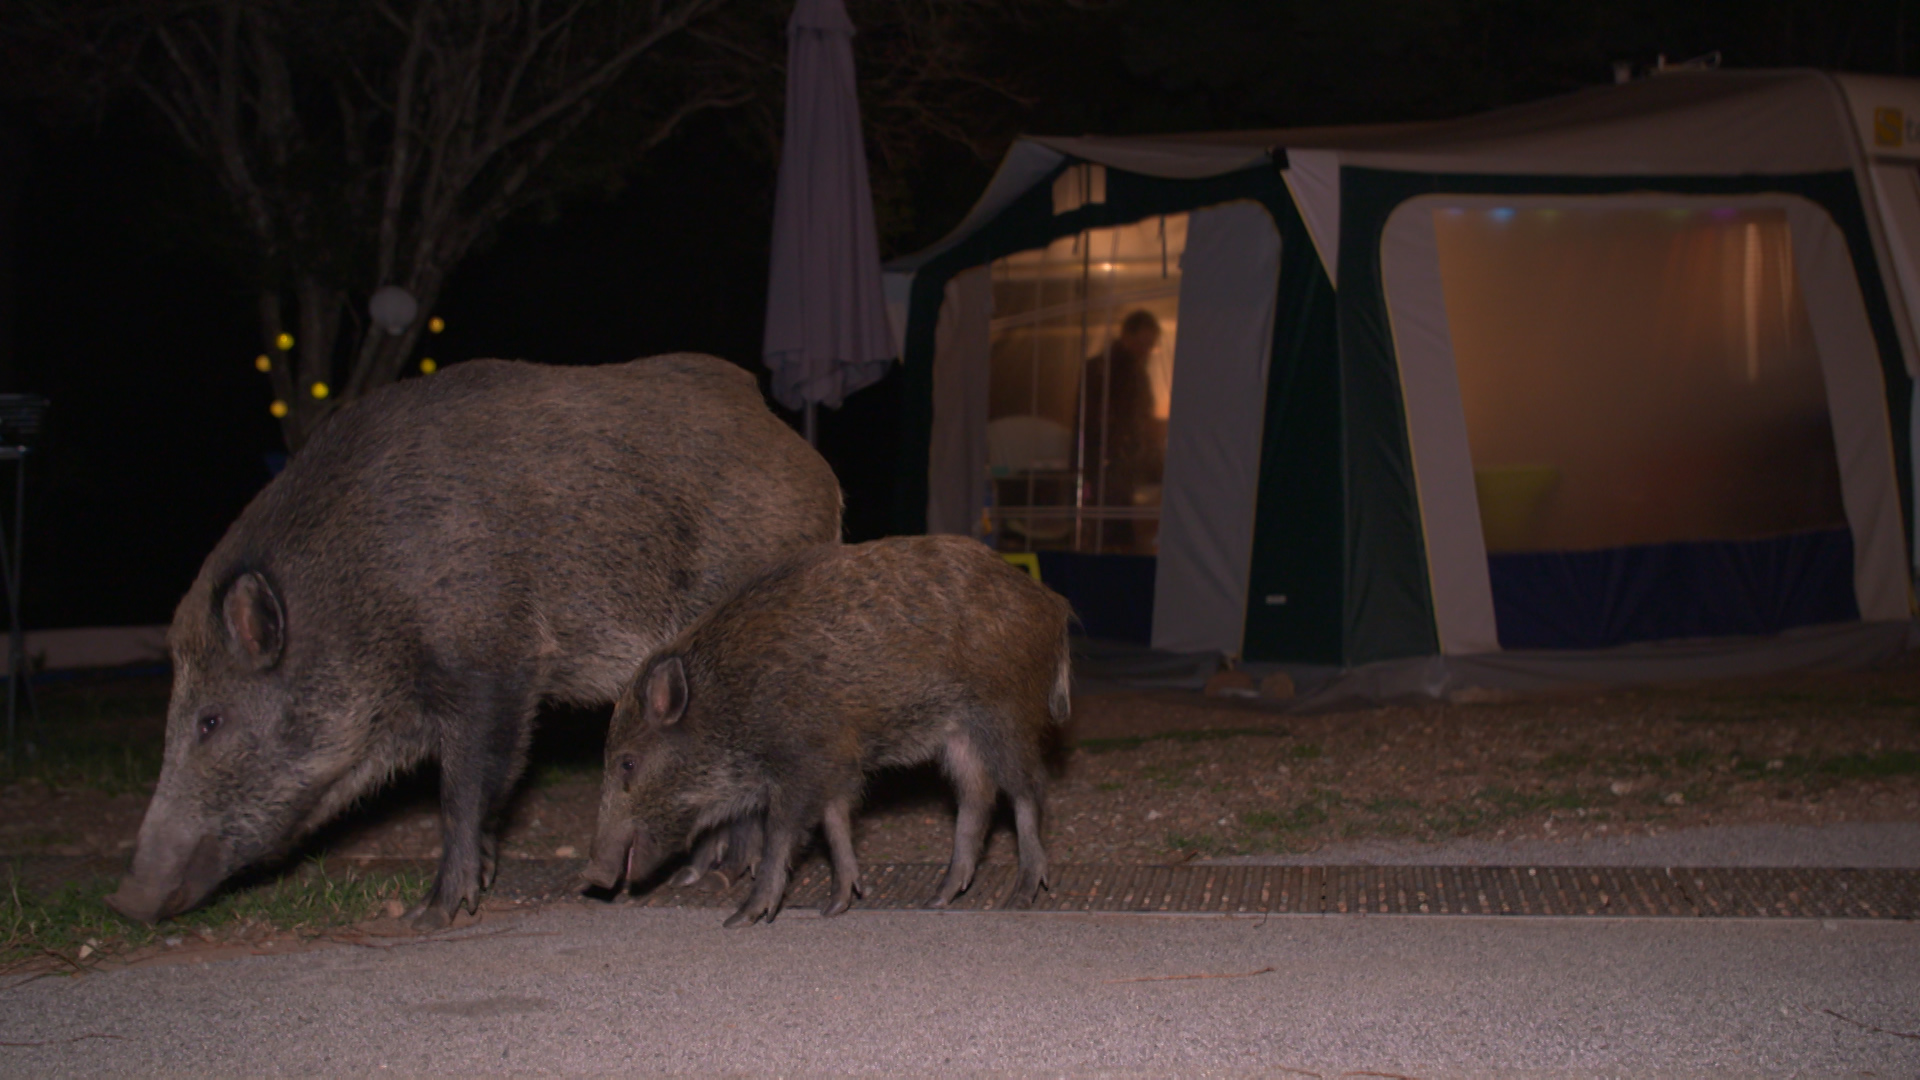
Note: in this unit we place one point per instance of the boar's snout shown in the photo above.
(169, 878)
(611, 857)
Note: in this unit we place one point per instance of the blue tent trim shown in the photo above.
(1654, 592)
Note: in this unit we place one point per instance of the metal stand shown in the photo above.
(20, 420)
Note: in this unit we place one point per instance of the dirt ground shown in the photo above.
(1162, 777)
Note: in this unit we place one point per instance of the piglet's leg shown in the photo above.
(725, 854)
(1033, 855)
(838, 825)
(787, 822)
(976, 792)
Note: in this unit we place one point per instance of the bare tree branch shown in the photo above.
(373, 143)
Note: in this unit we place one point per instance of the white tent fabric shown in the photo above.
(1313, 178)
(827, 332)
(1857, 398)
(1026, 164)
(1437, 428)
(1229, 277)
(962, 364)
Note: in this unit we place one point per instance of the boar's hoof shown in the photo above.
(428, 918)
(950, 887)
(434, 915)
(843, 899)
(1027, 889)
(750, 912)
(716, 881)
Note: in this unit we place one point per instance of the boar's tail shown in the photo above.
(1060, 702)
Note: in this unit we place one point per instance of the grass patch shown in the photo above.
(311, 899)
(1109, 785)
(1496, 804)
(1314, 810)
(1566, 761)
(1877, 766)
(1391, 805)
(1514, 803)
(1167, 777)
(1692, 758)
(106, 737)
(1873, 766)
(1306, 752)
(1130, 742)
(1204, 845)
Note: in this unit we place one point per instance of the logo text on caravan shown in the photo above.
(1893, 128)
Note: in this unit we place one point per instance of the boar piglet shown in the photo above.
(777, 703)
(443, 555)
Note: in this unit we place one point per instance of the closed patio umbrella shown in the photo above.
(827, 330)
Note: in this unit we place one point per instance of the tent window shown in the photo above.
(1636, 375)
(1083, 335)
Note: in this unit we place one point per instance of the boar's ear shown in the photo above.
(667, 691)
(256, 623)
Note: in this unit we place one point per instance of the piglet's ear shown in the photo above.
(666, 691)
(256, 623)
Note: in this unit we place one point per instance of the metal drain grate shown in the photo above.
(1610, 891)
(1617, 892)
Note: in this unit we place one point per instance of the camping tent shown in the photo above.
(1617, 384)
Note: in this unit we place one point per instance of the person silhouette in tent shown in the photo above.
(1124, 442)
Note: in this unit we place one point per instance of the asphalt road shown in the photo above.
(617, 989)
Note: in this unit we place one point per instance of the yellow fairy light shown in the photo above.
(278, 409)
(436, 324)
(320, 390)
(283, 342)
(261, 363)
(428, 367)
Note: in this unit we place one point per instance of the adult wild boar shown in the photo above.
(774, 706)
(442, 556)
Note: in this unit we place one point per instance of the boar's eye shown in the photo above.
(209, 724)
(628, 763)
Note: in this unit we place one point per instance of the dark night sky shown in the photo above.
(144, 338)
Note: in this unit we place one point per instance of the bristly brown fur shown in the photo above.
(837, 662)
(444, 555)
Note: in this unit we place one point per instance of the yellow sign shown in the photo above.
(1024, 560)
(1889, 127)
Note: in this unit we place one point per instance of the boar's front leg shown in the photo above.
(483, 749)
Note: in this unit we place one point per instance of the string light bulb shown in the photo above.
(278, 409)
(436, 324)
(284, 342)
(261, 363)
(428, 367)
(320, 391)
